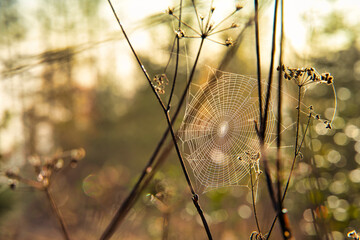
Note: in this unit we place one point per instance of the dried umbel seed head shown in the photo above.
(180, 33)
(305, 76)
(238, 6)
(212, 9)
(159, 82)
(234, 25)
(78, 154)
(327, 78)
(170, 11)
(353, 234)
(59, 163)
(229, 42)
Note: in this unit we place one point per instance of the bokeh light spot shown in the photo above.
(338, 187)
(333, 201)
(357, 146)
(355, 175)
(244, 211)
(340, 214)
(343, 94)
(329, 112)
(91, 186)
(321, 162)
(308, 215)
(357, 158)
(339, 123)
(333, 156)
(316, 145)
(352, 131)
(341, 139)
(337, 235)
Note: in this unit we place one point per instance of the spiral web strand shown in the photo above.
(218, 133)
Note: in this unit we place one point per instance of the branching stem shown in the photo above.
(116, 220)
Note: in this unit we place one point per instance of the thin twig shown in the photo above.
(264, 118)
(322, 225)
(258, 63)
(253, 203)
(187, 25)
(279, 116)
(114, 223)
(268, 92)
(137, 57)
(172, 50)
(57, 213)
(290, 174)
(284, 224)
(195, 197)
(149, 169)
(211, 10)
(177, 59)
(223, 20)
(166, 221)
(197, 16)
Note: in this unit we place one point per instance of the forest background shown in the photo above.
(69, 81)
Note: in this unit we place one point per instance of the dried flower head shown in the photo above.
(180, 33)
(206, 27)
(305, 76)
(353, 234)
(238, 6)
(170, 11)
(45, 167)
(229, 42)
(159, 82)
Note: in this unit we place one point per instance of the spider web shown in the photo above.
(218, 133)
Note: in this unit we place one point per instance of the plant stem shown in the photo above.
(57, 213)
(264, 118)
(285, 227)
(177, 59)
(258, 63)
(195, 197)
(290, 174)
(137, 57)
(166, 221)
(120, 214)
(296, 150)
(253, 203)
(148, 170)
(268, 92)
